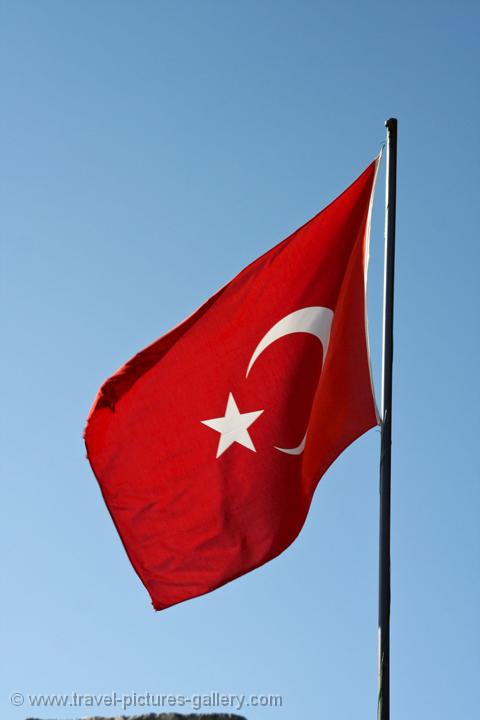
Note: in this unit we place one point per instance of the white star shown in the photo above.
(233, 427)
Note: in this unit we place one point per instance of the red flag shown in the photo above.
(208, 445)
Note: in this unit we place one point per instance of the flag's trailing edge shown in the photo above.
(208, 444)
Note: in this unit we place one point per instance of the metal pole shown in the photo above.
(386, 428)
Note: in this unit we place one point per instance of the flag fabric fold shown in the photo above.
(208, 444)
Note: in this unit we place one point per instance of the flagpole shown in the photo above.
(386, 427)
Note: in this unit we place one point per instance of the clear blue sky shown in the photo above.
(149, 151)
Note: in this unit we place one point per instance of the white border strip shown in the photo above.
(365, 272)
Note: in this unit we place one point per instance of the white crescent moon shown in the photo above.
(315, 321)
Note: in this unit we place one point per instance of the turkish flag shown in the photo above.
(208, 445)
